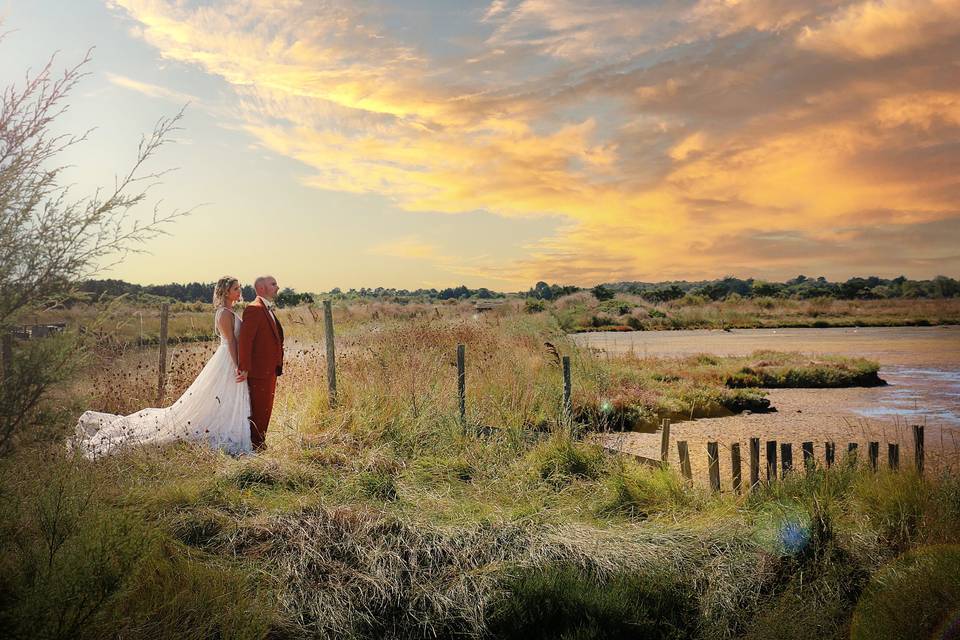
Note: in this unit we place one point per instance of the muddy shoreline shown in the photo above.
(854, 414)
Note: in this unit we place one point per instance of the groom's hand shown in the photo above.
(241, 375)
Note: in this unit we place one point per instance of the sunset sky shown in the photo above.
(428, 144)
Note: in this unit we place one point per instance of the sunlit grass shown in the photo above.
(385, 516)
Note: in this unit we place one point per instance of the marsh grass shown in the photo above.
(386, 518)
(917, 595)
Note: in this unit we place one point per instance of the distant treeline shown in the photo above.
(187, 292)
(800, 287)
(203, 292)
(450, 293)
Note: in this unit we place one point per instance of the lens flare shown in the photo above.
(794, 536)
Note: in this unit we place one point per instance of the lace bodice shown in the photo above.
(216, 323)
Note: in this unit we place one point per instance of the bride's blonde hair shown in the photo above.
(221, 289)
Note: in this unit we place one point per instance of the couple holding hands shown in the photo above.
(228, 405)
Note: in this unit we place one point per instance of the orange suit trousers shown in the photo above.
(262, 391)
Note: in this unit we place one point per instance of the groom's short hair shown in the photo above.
(260, 281)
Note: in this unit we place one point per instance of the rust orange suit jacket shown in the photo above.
(260, 345)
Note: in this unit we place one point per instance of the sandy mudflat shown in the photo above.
(815, 415)
(805, 415)
(931, 346)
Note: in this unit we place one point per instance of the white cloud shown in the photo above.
(148, 89)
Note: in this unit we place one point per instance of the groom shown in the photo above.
(260, 357)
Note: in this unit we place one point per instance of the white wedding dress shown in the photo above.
(215, 409)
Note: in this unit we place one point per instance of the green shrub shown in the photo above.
(36, 367)
(534, 306)
(915, 596)
(63, 557)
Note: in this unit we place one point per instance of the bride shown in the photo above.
(215, 409)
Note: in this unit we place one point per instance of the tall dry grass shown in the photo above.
(385, 518)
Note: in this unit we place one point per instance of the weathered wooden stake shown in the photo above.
(331, 353)
(771, 460)
(713, 461)
(852, 453)
(462, 383)
(754, 462)
(567, 400)
(162, 365)
(684, 453)
(786, 458)
(735, 467)
(6, 355)
(893, 456)
(918, 447)
(664, 440)
(809, 462)
(873, 451)
(830, 453)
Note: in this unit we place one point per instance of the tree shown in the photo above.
(663, 294)
(601, 293)
(49, 241)
(542, 291)
(763, 288)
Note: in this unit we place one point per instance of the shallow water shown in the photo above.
(921, 365)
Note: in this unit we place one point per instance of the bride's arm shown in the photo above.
(225, 322)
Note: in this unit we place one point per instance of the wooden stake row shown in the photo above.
(786, 458)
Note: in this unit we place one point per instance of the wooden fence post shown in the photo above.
(713, 461)
(735, 467)
(809, 462)
(873, 451)
(852, 453)
(893, 456)
(918, 447)
(664, 441)
(830, 453)
(771, 460)
(331, 353)
(684, 453)
(567, 387)
(462, 383)
(754, 462)
(162, 364)
(786, 458)
(6, 355)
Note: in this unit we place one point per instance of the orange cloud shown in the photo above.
(737, 123)
(879, 28)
